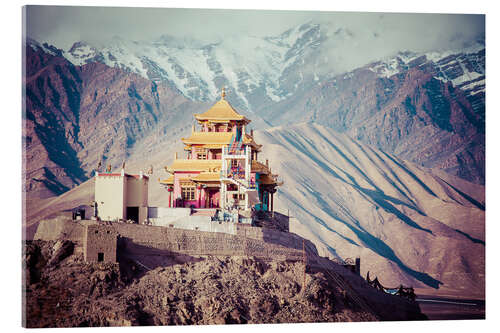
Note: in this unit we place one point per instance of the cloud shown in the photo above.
(373, 33)
(365, 37)
(64, 25)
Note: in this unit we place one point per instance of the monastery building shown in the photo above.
(222, 168)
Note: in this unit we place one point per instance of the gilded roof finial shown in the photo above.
(223, 93)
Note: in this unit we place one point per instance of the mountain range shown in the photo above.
(384, 160)
(423, 107)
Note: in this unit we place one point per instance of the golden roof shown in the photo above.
(205, 146)
(207, 177)
(219, 138)
(195, 165)
(221, 111)
(168, 181)
(216, 139)
(259, 167)
(186, 181)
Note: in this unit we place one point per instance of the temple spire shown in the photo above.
(223, 93)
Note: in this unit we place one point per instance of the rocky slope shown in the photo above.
(408, 224)
(50, 132)
(62, 291)
(425, 110)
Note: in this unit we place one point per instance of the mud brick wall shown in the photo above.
(276, 237)
(100, 243)
(140, 239)
(154, 240)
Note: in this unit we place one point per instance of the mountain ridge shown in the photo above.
(302, 50)
(295, 76)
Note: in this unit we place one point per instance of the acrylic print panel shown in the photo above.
(188, 166)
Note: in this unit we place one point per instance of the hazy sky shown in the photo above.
(62, 26)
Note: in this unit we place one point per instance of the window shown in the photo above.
(187, 193)
(240, 196)
(201, 153)
(100, 257)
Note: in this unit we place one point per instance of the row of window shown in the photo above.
(202, 154)
(188, 193)
(221, 128)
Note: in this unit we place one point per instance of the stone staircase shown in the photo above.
(238, 182)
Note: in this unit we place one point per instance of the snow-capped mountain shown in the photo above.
(402, 104)
(252, 67)
(262, 70)
(464, 69)
(43, 47)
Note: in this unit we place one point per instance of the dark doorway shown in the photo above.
(213, 198)
(100, 257)
(133, 214)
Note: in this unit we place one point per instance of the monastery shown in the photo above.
(222, 168)
(220, 179)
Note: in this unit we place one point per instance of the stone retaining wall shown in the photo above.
(154, 240)
(249, 241)
(195, 222)
(60, 228)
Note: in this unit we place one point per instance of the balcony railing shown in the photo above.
(234, 151)
(235, 173)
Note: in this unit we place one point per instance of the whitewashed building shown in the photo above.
(121, 196)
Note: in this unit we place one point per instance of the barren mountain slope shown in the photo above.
(414, 114)
(425, 108)
(407, 224)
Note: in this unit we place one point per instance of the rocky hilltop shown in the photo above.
(63, 291)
